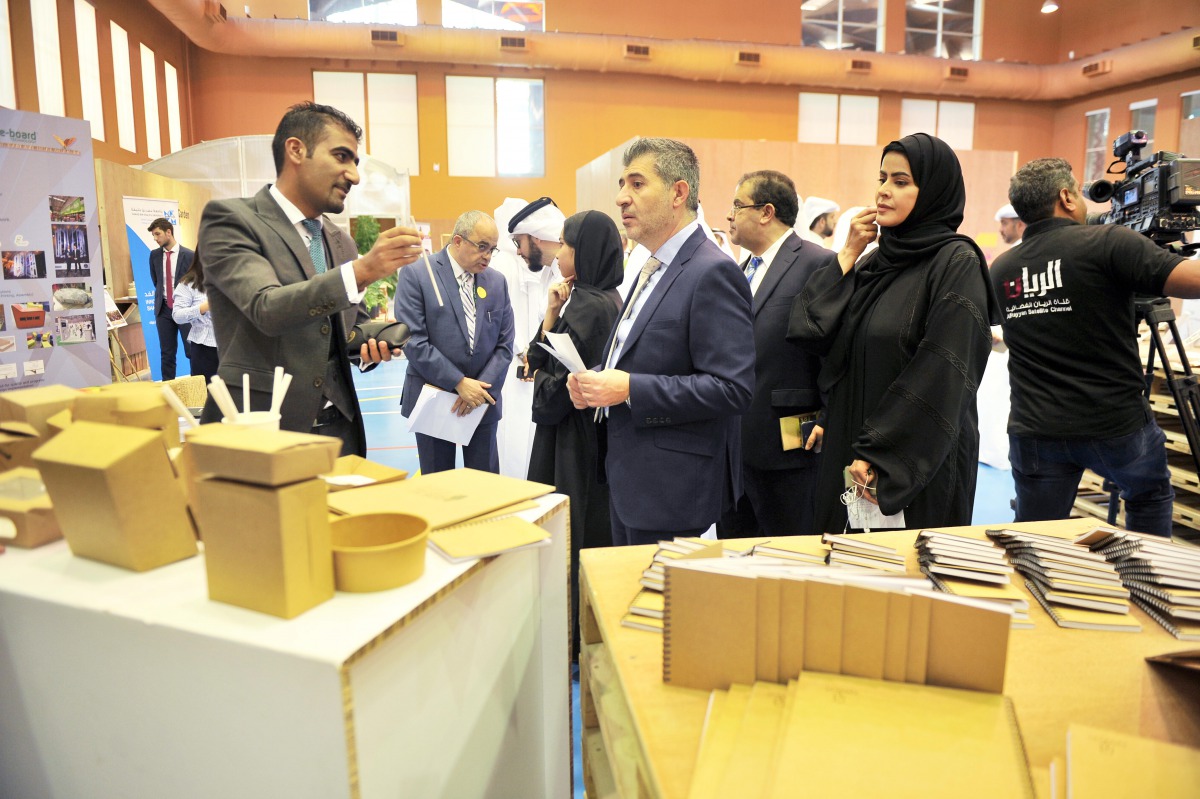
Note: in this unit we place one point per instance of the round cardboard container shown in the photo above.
(378, 551)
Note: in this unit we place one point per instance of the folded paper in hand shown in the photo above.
(433, 415)
(562, 348)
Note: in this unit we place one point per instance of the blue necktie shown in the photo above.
(316, 245)
(755, 263)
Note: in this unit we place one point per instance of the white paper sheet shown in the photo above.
(432, 415)
(562, 348)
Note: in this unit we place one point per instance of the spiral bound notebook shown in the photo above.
(483, 539)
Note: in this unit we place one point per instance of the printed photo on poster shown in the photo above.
(71, 253)
(37, 367)
(8, 343)
(23, 264)
(76, 329)
(8, 371)
(71, 296)
(29, 314)
(39, 339)
(3, 320)
(67, 209)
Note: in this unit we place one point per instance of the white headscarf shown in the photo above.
(813, 208)
(1006, 212)
(545, 224)
(507, 210)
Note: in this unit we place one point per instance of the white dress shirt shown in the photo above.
(768, 257)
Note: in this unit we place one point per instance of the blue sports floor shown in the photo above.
(389, 442)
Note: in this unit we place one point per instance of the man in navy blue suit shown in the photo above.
(679, 369)
(175, 259)
(462, 338)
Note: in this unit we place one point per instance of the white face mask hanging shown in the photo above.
(862, 514)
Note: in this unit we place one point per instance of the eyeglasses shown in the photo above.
(483, 247)
(733, 211)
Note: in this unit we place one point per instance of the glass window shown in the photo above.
(843, 24)
(384, 12)
(1141, 117)
(1098, 154)
(942, 28)
(123, 85)
(47, 57)
(150, 103)
(495, 127)
(89, 66)
(495, 15)
(1190, 103)
(838, 119)
(174, 124)
(8, 86)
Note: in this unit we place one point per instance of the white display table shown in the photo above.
(125, 685)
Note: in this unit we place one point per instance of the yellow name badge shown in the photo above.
(480, 292)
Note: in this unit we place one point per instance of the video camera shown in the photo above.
(1158, 196)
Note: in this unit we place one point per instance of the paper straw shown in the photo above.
(245, 392)
(412, 221)
(178, 406)
(283, 390)
(220, 395)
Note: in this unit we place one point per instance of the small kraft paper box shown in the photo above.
(116, 496)
(26, 410)
(130, 404)
(266, 548)
(261, 457)
(26, 506)
(352, 471)
(16, 449)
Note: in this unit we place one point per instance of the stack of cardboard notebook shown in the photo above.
(1101, 763)
(1163, 577)
(1079, 589)
(971, 567)
(729, 621)
(827, 735)
(646, 609)
(847, 550)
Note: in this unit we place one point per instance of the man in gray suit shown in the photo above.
(462, 339)
(284, 282)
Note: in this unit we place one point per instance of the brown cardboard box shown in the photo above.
(25, 503)
(16, 449)
(59, 422)
(362, 472)
(131, 404)
(26, 410)
(266, 549)
(116, 496)
(262, 457)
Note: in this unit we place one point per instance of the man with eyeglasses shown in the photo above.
(461, 321)
(779, 446)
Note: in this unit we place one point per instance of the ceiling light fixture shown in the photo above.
(1049, 7)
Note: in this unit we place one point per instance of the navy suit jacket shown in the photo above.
(674, 457)
(785, 376)
(438, 351)
(182, 263)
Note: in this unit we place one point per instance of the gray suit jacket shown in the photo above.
(270, 308)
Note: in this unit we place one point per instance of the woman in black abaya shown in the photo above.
(905, 336)
(585, 306)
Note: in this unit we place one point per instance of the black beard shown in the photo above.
(535, 257)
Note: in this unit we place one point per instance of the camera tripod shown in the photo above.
(1185, 388)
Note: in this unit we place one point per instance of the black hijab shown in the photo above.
(599, 262)
(931, 225)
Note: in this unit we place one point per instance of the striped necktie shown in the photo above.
(467, 293)
(755, 263)
(316, 245)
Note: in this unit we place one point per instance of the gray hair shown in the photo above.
(1033, 191)
(465, 226)
(673, 160)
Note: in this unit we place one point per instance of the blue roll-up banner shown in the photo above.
(139, 213)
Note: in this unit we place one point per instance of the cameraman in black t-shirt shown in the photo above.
(1071, 330)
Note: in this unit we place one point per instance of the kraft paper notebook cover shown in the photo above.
(1116, 765)
(895, 653)
(968, 643)
(483, 539)
(722, 724)
(749, 767)
(823, 627)
(767, 654)
(792, 595)
(854, 737)
(918, 639)
(710, 628)
(443, 498)
(864, 631)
